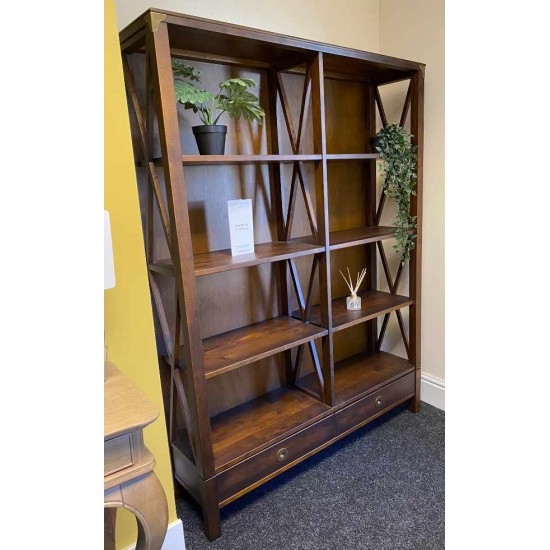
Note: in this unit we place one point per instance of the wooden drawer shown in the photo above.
(276, 457)
(360, 411)
(117, 454)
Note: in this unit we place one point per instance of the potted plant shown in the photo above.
(398, 165)
(232, 98)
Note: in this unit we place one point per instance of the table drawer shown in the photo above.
(360, 411)
(274, 458)
(117, 454)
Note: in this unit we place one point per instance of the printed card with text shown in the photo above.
(241, 228)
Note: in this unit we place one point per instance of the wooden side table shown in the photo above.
(129, 480)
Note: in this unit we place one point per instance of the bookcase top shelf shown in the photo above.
(224, 160)
(215, 41)
(190, 160)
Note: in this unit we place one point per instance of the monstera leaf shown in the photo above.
(185, 71)
(238, 83)
(186, 93)
(240, 103)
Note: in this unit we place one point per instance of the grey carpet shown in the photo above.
(381, 488)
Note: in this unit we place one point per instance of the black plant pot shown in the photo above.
(210, 139)
(374, 143)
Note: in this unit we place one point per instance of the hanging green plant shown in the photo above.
(398, 166)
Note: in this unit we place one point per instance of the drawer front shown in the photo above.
(355, 414)
(117, 454)
(248, 472)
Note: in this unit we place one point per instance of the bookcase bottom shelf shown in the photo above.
(362, 374)
(248, 428)
(285, 453)
(262, 438)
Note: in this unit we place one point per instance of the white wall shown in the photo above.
(351, 23)
(415, 29)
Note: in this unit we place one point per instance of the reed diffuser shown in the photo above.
(354, 301)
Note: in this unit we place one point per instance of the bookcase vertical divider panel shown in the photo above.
(261, 363)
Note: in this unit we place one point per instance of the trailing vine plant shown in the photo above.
(399, 159)
(232, 97)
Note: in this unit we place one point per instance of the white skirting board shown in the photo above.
(174, 538)
(432, 391)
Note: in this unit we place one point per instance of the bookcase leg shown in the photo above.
(210, 509)
(414, 403)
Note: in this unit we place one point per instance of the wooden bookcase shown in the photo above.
(261, 364)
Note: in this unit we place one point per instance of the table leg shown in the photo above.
(109, 527)
(144, 497)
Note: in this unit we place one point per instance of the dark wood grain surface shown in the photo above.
(355, 237)
(197, 160)
(353, 156)
(380, 400)
(221, 260)
(226, 160)
(248, 428)
(362, 373)
(230, 350)
(244, 476)
(373, 304)
(210, 37)
(361, 235)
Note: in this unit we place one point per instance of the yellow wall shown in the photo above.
(415, 29)
(129, 329)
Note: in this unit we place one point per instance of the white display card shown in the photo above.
(241, 228)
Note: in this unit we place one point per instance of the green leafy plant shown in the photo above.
(232, 98)
(399, 160)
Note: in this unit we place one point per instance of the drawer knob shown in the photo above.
(282, 454)
(378, 401)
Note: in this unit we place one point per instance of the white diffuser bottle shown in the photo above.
(353, 302)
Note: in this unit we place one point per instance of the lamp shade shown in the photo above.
(108, 262)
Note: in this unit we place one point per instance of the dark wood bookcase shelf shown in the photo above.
(227, 160)
(275, 415)
(353, 156)
(246, 345)
(266, 366)
(374, 304)
(199, 160)
(221, 260)
(362, 374)
(354, 237)
(224, 160)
